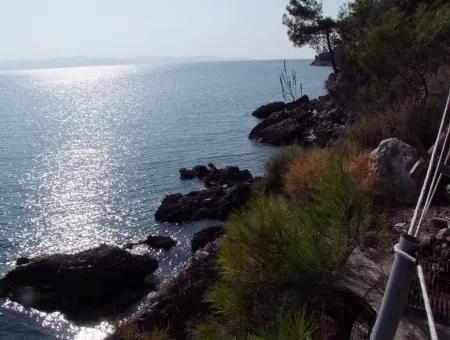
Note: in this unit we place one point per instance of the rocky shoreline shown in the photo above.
(304, 122)
(106, 280)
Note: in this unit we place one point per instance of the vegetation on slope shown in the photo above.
(281, 255)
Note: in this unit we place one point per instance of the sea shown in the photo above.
(88, 153)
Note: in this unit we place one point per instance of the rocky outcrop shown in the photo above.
(302, 122)
(205, 236)
(199, 171)
(216, 202)
(322, 59)
(84, 285)
(180, 300)
(212, 176)
(390, 165)
(155, 242)
(265, 111)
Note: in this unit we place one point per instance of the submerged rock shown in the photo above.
(160, 242)
(85, 285)
(212, 203)
(205, 236)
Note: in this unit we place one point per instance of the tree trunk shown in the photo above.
(330, 51)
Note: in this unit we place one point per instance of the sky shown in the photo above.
(37, 29)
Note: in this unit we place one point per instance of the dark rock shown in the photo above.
(440, 223)
(187, 174)
(305, 122)
(212, 203)
(205, 236)
(229, 176)
(266, 110)
(298, 102)
(272, 120)
(322, 59)
(284, 132)
(22, 260)
(200, 171)
(212, 176)
(181, 300)
(84, 285)
(160, 242)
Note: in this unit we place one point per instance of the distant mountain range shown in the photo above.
(25, 64)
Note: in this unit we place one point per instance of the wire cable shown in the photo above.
(430, 167)
(426, 302)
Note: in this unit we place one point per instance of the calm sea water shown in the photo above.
(87, 154)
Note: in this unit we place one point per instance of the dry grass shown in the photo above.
(311, 165)
(357, 165)
(307, 168)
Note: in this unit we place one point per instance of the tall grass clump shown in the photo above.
(312, 166)
(305, 170)
(279, 255)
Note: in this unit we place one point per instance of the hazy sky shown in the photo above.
(125, 28)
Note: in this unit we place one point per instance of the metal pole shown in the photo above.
(397, 290)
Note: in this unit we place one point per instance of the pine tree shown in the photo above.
(307, 26)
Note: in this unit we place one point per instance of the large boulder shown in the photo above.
(205, 236)
(160, 242)
(84, 285)
(180, 301)
(285, 132)
(265, 111)
(390, 165)
(216, 202)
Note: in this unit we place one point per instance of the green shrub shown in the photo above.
(209, 328)
(278, 255)
(290, 326)
(277, 167)
(370, 130)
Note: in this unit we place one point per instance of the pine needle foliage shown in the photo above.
(279, 256)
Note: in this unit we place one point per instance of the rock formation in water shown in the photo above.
(304, 122)
(86, 285)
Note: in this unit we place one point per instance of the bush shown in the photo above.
(290, 326)
(305, 170)
(276, 168)
(312, 165)
(370, 130)
(209, 329)
(280, 256)
(356, 163)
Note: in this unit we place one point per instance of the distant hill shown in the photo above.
(26, 64)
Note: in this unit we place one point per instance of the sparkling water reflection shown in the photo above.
(86, 155)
